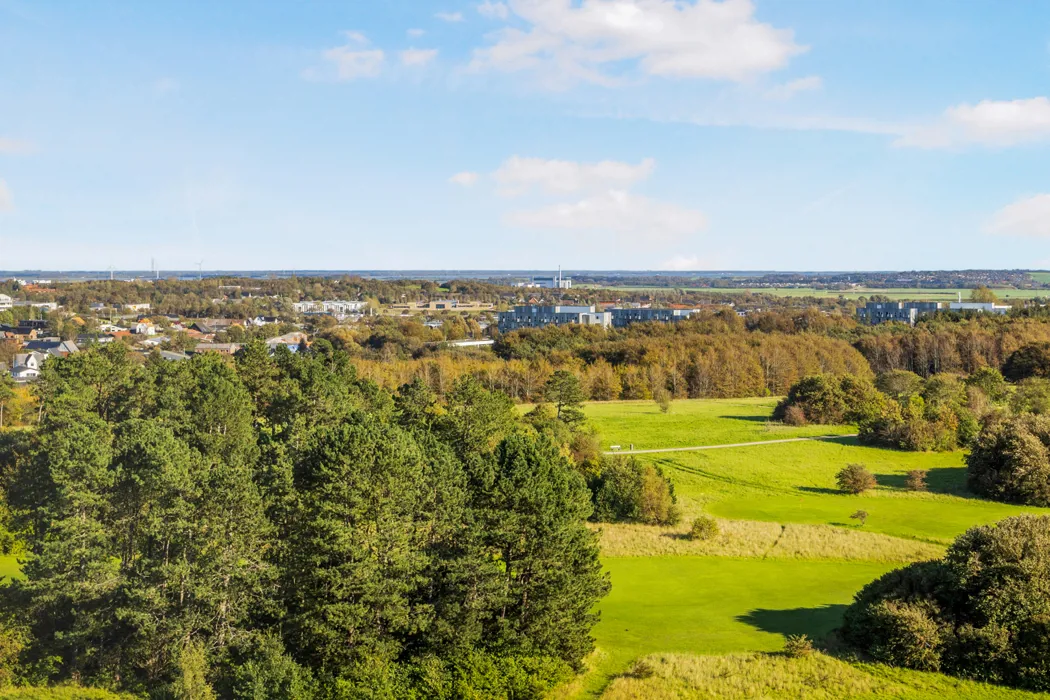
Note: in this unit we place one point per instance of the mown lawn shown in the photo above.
(777, 568)
(694, 422)
(795, 483)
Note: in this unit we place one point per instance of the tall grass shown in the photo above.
(748, 538)
(815, 677)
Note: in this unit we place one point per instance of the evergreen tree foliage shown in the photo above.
(276, 527)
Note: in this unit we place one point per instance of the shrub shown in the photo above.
(794, 415)
(704, 528)
(915, 480)
(626, 490)
(662, 398)
(1010, 461)
(641, 670)
(861, 515)
(798, 646)
(981, 612)
(855, 479)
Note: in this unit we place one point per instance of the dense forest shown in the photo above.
(279, 527)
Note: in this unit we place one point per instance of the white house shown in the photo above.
(26, 366)
(136, 307)
(5, 302)
(143, 328)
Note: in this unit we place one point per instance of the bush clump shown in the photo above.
(981, 612)
(855, 479)
(915, 480)
(625, 490)
(704, 528)
(1010, 461)
(798, 646)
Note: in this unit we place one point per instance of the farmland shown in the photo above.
(892, 293)
(787, 560)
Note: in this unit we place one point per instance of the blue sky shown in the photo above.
(595, 134)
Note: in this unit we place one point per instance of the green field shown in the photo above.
(787, 561)
(689, 423)
(893, 293)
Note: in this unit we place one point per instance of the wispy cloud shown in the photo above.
(450, 16)
(520, 175)
(465, 179)
(790, 89)
(566, 43)
(418, 57)
(987, 123)
(416, 33)
(351, 61)
(493, 10)
(1028, 217)
(615, 211)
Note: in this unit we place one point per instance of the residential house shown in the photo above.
(26, 366)
(221, 348)
(51, 346)
(294, 341)
(5, 302)
(137, 308)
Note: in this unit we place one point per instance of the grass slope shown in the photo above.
(788, 559)
(816, 677)
(709, 605)
(694, 422)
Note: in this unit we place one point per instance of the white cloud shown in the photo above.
(519, 175)
(350, 61)
(6, 202)
(450, 16)
(792, 88)
(493, 10)
(418, 57)
(14, 146)
(416, 33)
(989, 123)
(1025, 217)
(615, 211)
(466, 179)
(680, 263)
(593, 40)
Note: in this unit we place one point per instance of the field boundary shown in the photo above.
(727, 446)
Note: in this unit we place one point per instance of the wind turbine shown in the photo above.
(200, 270)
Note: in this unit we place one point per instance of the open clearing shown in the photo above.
(695, 422)
(788, 558)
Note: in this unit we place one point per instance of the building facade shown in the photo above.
(540, 316)
(625, 317)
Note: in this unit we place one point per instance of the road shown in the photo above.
(722, 447)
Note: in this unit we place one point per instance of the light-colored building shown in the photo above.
(540, 316)
(328, 307)
(980, 307)
(42, 305)
(5, 302)
(876, 312)
(626, 316)
(137, 308)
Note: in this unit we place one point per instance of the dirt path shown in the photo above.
(722, 447)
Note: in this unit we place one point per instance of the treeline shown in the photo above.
(681, 365)
(279, 527)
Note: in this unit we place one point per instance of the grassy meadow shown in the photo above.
(708, 617)
(693, 423)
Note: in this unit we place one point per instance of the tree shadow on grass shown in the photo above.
(821, 490)
(944, 480)
(752, 419)
(815, 622)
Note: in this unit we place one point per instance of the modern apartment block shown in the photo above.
(625, 317)
(876, 312)
(540, 316)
